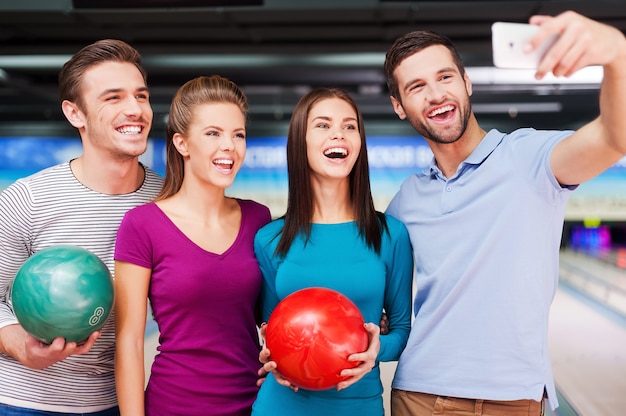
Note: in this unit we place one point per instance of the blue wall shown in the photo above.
(264, 174)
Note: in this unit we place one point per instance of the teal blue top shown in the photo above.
(337, 257)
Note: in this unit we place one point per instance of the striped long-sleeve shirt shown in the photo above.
(49, 208)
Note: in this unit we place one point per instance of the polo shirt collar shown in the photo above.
(487, 145)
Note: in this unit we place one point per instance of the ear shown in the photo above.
(180, 143)
(468, 84)
(73, 114)
(397, 107)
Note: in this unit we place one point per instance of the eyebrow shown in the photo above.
(326, 118)
(238, 129)
(439, 72)
(118, 90)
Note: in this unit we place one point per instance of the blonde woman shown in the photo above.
(191, 254)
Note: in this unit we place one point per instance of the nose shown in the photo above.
(337, 133)
(133, 107)
(227, 143)
(435, 93)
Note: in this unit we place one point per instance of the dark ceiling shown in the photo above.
(276, 50)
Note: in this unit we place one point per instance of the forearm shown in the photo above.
(392, 344)
(130, 377)
(7, 317)
(11, 336)
(613, 100)
(131, 303)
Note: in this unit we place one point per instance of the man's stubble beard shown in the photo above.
(436, 137)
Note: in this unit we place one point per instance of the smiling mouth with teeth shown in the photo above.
(224, 163)
(130, 130)
(441, 110)
(336, 153)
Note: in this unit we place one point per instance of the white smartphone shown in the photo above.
(508, 41)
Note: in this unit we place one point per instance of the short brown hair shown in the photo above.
(106, 50)
(411, 43)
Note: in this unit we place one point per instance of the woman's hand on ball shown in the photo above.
(367, 358)
(269, 366)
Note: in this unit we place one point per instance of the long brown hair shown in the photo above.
(198, 91)
(300, 197)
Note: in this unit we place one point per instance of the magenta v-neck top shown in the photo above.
(203, 304)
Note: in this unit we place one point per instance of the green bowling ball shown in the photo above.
(62, 291)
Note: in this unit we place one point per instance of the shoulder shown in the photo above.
(395, 226)
(526, 149)
(52, 180)
(270, 230)
(151, 174)
(255, 209)
(152, 179)
(252, 205)
(148, 207)
(143, 212)
(530, 135)
(393, 222)
(51, 174)
(403, 201)
(140, 220)
(266, 239)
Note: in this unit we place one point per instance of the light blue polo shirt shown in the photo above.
(486, 244)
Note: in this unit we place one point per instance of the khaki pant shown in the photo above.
(405, 403)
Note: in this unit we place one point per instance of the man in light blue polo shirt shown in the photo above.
(486, 221)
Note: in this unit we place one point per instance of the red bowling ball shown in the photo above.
(310, 335)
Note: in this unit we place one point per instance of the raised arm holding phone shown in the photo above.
(486, 217)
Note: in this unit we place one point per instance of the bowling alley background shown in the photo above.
(595, 228)
(595, 215)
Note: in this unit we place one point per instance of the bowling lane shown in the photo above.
(602, 265)
(588, 350)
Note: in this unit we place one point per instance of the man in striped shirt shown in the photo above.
(81, 202)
